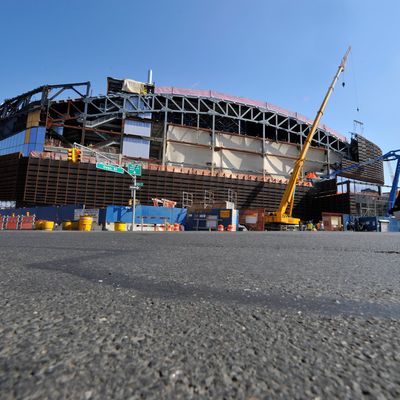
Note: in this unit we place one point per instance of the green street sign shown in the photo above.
(110, 168)
(135, 169)
(137, 185)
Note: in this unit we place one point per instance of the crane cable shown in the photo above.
(355, 84)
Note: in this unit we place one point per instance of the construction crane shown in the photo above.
(393, 155)
(283, 215)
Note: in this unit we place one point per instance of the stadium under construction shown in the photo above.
(195, 146)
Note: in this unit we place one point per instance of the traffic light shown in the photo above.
(78, 155)
(74, 155)
(71, 155)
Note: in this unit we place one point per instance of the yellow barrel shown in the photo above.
(85, 223)
(48, 225)
(74, 225)
(67, 225)
(120, 227)
(39, 224)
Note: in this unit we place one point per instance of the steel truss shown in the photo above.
(92, 115)
(204, 112)
(47, 93)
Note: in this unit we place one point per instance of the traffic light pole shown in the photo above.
(134, 186)
(97, 154)
(133, 192)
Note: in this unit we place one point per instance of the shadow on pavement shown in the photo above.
(172, 290)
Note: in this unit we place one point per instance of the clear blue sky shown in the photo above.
(285, 52)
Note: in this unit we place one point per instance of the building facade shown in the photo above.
(192, 144)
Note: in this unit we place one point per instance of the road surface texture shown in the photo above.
(175, 315)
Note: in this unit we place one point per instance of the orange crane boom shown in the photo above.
(283, 215)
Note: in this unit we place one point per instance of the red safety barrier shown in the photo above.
(12, 223)
(27, 222)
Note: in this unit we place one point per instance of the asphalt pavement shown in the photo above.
(181, 315)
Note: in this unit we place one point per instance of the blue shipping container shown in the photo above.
(144, 214)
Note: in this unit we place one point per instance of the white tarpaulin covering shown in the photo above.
(233, 153)
(132, 86)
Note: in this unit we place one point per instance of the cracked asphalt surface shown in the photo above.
(246, 315)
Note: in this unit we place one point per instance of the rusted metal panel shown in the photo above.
(36, 181)
(12, 176)
(332, 221)
(252, 218)
(60, 182)
(363, 150)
